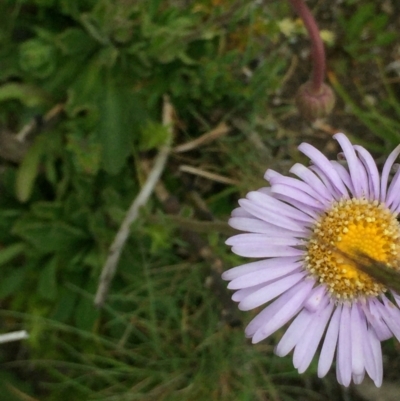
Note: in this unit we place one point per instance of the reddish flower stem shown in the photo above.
(317, 46)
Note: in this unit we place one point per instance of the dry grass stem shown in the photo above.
(206, 174)
(219, 131)
(33, 125)
(117, 246)
(13, 336)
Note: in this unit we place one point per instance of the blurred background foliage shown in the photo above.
(81, 94)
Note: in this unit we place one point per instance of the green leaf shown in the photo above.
(37, 57)
(29, 169)
(65, 305)
(49, 237)
(153, 135)
(12, 282)
(86, 313)
(47, 210)
(120, 117)
(86, 153)
(359, 19)
(29, 95)
(13, 388)
(47, 285)
(84, 93)
(115, 111)
(9, 253)
(75, 41)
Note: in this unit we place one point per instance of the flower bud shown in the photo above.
(314, 104)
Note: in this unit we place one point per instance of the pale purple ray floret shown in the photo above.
(333, 311)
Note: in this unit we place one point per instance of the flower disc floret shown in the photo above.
(351, 226)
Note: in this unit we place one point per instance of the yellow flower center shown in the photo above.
(351, 226)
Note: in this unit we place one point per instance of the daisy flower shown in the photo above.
(295, 226)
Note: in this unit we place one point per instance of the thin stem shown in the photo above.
(13, 336)
(110, 267)
(317, 46)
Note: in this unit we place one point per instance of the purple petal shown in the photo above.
(397, 210)
(393, 194)
(265, 190)
(245, 292)
(396, 298)
(390, 315)
(263, 276)
(313, 180)
(357, 379)
(329, 346)
(270, 217)
(265, 250)
(294, 333)
(343, 359)
(317, 299)
(331, 188)
(344, 175)
(269, 174)
(289, 309)
(300, 186)
(270, 291)
(374, 317)
(240, 212)
(325, 166)
(273, 204)
(377, 352)
(262, 240)
(258, 226)
(273, 263)
(386, 171)
(266, 314)
(357, 355)
(372, 171)
(305, 207)
(370, 364)
(357, 172)
(297, 195)
(306, 348)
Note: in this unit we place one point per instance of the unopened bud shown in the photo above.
(314, 104)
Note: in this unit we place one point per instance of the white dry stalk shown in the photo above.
(13, 336)
(219, 131)
(117, 246)
(208, 175)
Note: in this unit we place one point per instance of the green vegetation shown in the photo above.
(82, 89)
